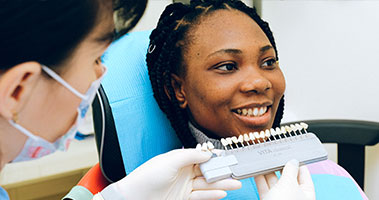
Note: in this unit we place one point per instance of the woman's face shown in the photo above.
(232, 83)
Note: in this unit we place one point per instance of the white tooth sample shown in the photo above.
(298, 126)
(283, 130)
(256, 135)
(234, 139)
(239, 111)
(223, 142)
(204, 147)
(277, 130)
(261, 111)
(229, 140)
(288, 129)
(244, 111)
(251, 136)
(304, 125)
(198, 147)
(240, 139)
(272, 131)
(267, 133)
(255, 112)
(293, 127)
(210, 145)
(262, 134)
(246, 138)
(250, 112)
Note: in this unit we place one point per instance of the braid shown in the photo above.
(164, 57)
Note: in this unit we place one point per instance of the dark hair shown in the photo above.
(167, 44)
(47, 31)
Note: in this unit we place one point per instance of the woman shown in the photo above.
(50, 70)
(213, 66)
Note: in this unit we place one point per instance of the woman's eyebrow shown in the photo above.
(265, 48)
(225, 51)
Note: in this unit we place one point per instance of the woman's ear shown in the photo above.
(16, 86)
(177, 84)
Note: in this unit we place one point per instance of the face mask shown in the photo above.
(35, 146)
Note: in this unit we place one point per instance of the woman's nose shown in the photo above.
(255, 83)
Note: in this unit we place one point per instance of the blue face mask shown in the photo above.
(35, 146)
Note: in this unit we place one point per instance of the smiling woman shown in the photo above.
(217, 71)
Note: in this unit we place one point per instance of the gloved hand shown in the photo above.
(174, 176)
(294, 184)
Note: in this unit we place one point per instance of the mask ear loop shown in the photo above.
(14, 123)
(62, 82)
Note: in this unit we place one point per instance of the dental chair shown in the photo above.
(125, 112)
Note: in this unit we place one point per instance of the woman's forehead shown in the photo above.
(226, 29)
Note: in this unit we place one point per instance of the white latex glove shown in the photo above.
(294, 184)
(174, 176)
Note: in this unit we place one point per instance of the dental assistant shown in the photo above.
(50, 70)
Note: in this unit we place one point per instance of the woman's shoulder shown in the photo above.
(329, 176)
(327, 167)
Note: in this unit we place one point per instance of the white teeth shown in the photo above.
(250, 112)
(256, 112)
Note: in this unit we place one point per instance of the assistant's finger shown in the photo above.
(306, 183)
(271, 179)
(207, 195)
(262, 186)
(290, 170)
(200, 183)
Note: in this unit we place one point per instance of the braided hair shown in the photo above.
(165, 55)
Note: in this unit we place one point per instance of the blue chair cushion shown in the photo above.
(143, 129)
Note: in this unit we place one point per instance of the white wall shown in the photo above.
(328, 52)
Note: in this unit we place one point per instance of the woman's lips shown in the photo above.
(254, 120)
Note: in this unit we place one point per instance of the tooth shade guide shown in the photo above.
(240, 140)
(210, 146)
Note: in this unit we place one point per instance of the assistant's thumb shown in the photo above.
(290, 171)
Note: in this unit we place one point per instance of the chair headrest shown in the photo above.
(143, 129)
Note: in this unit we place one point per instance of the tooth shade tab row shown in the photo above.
(256, 112)
(264, 136)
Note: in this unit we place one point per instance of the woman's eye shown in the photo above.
(270, 64)
(227, 67)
